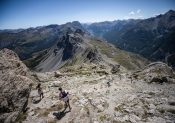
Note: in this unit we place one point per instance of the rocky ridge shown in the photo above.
(14, 86)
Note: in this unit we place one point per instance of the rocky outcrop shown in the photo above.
(92, 55)
(157, 72)
(14, 86)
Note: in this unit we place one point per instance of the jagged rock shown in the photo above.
(93, 55)
(57, 74)
(15, 85)
(115, 69)
(157, 72)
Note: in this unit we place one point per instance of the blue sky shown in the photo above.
(31, 13)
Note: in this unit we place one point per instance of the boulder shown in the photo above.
(15, 86)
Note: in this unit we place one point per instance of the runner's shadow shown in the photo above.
(36, 101)
(60, 115)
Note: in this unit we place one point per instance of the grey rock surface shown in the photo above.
(14, 86)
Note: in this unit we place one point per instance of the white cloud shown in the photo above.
(132, 13)
(138, 11)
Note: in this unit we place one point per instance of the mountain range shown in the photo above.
(51, 47)
(153, 38)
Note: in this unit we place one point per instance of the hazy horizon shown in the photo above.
(19, 14)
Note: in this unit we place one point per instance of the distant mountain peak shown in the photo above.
(171, 11)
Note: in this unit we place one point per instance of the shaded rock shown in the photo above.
(171, 102)
(158, 79)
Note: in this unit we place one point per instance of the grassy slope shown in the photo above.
(128, 60)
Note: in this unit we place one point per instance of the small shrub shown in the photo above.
(102, 117)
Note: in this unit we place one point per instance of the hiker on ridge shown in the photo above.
(64, 97)
(40, 91)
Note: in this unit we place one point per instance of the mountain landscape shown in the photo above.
(51, 47)
(115, 72)
(152, 38)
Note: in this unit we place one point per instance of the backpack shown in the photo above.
(64, 94)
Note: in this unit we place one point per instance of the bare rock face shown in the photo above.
(14, 86)
(92, 55)
(157, 72)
